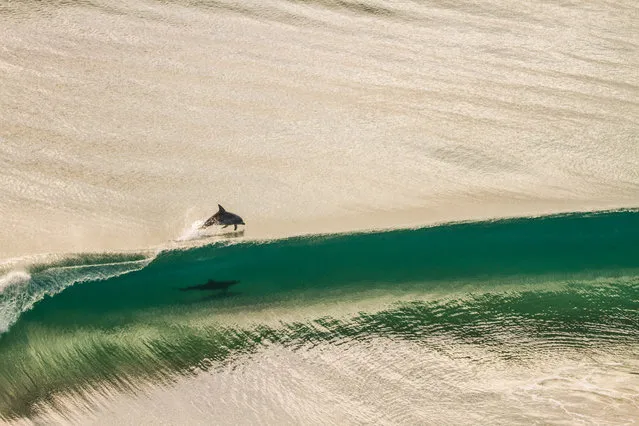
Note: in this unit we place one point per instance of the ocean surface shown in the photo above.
(441, 198)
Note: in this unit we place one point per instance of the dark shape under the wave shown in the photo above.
(211, 285)
(222, 217)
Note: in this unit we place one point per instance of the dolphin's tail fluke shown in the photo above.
(210, 221)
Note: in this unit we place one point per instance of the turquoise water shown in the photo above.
(516, 288)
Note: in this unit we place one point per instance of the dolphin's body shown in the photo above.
(222, 217)
(211, 285)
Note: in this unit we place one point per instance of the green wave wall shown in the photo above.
(567, 280)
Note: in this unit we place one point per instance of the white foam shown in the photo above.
(12, 282)
(18, 292)
(13, 278)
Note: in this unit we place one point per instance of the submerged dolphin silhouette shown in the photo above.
(211, 285)
(222, 217)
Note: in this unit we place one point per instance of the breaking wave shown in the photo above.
(118, 320)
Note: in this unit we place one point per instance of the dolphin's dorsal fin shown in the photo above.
(221, 208)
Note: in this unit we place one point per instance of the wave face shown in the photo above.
(550, 305)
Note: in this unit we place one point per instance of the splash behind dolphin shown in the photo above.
(222, 217)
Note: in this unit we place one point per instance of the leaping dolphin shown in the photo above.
(211, 285)
(222, 217)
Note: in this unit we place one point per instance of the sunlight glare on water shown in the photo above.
(123, 122)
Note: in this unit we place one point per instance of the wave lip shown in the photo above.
(559, 245)
(20, 290)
